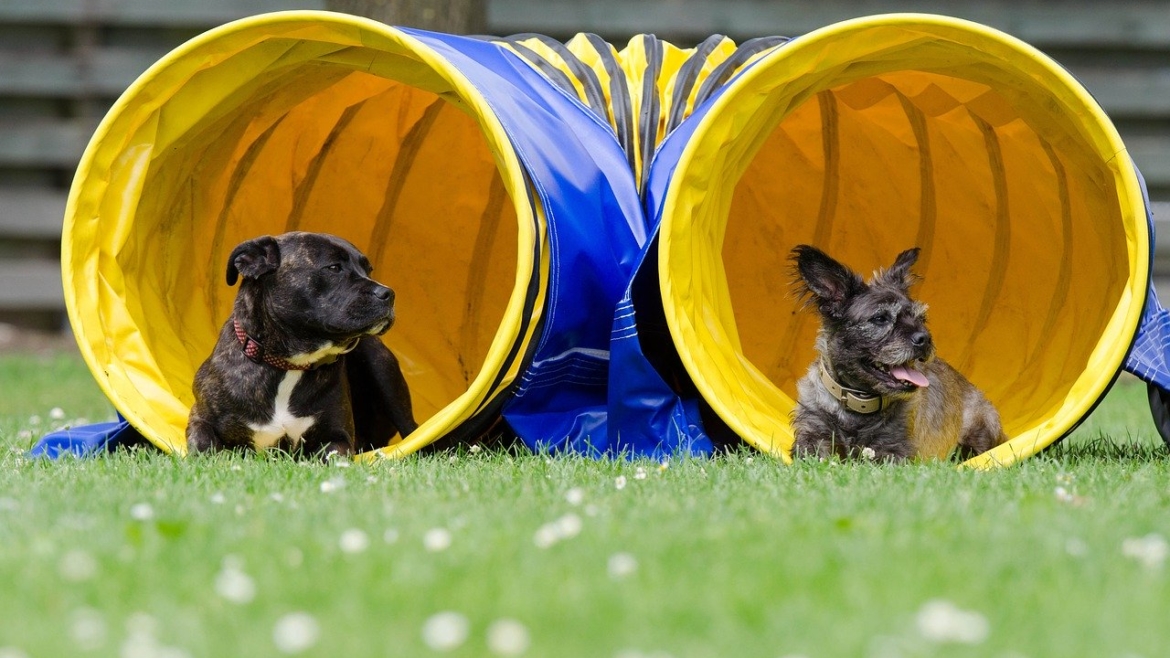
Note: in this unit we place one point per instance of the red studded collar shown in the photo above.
(255, 351)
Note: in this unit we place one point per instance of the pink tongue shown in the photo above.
(910, 375)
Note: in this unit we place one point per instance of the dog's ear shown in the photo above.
(823, 280)
(253, 259)
(899, 274)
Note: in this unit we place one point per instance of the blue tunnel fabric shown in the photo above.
(651, 408)
(85, 441)
(1149, 358)
(595, 233)
(650, 416)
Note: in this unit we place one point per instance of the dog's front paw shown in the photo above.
(201, 437)
(891, 454)
(337, 450)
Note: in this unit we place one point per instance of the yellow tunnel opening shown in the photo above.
(300, 121)
(876, 135)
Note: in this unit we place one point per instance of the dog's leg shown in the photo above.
(402, 411)
(379, 393)
(326, 442)
(982, 434)
(338, 448)
(201, 436)
(815, 447)
(982, 430)
(817, 435)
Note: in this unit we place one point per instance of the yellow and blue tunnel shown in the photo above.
(590, 244)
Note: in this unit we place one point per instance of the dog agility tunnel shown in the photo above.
(866, 138)
(875, 135)
(470, 182)
(506, 215)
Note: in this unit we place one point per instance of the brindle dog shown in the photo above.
(877, 389)
(299, 366)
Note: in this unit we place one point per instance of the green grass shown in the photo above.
(737, 556)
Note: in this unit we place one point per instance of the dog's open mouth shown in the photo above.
(906, 376)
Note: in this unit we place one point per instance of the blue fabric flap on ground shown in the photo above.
(84, 441)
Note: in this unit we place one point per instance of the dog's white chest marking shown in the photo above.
(283, 423)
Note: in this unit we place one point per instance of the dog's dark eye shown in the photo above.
(881, 318)
(336, 267)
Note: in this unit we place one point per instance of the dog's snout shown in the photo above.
(384, 293)
(920, 338)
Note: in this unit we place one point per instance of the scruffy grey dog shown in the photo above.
(877, 390)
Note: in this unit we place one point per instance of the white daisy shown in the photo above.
(445, 631)
(507, 637)
(296, 632)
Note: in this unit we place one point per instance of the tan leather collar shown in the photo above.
(853, 399)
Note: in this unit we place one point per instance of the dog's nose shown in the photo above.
(919, 338)
(383, 293)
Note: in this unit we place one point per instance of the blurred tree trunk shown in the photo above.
(452, 16)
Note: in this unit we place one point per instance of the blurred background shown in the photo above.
(63, 63)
